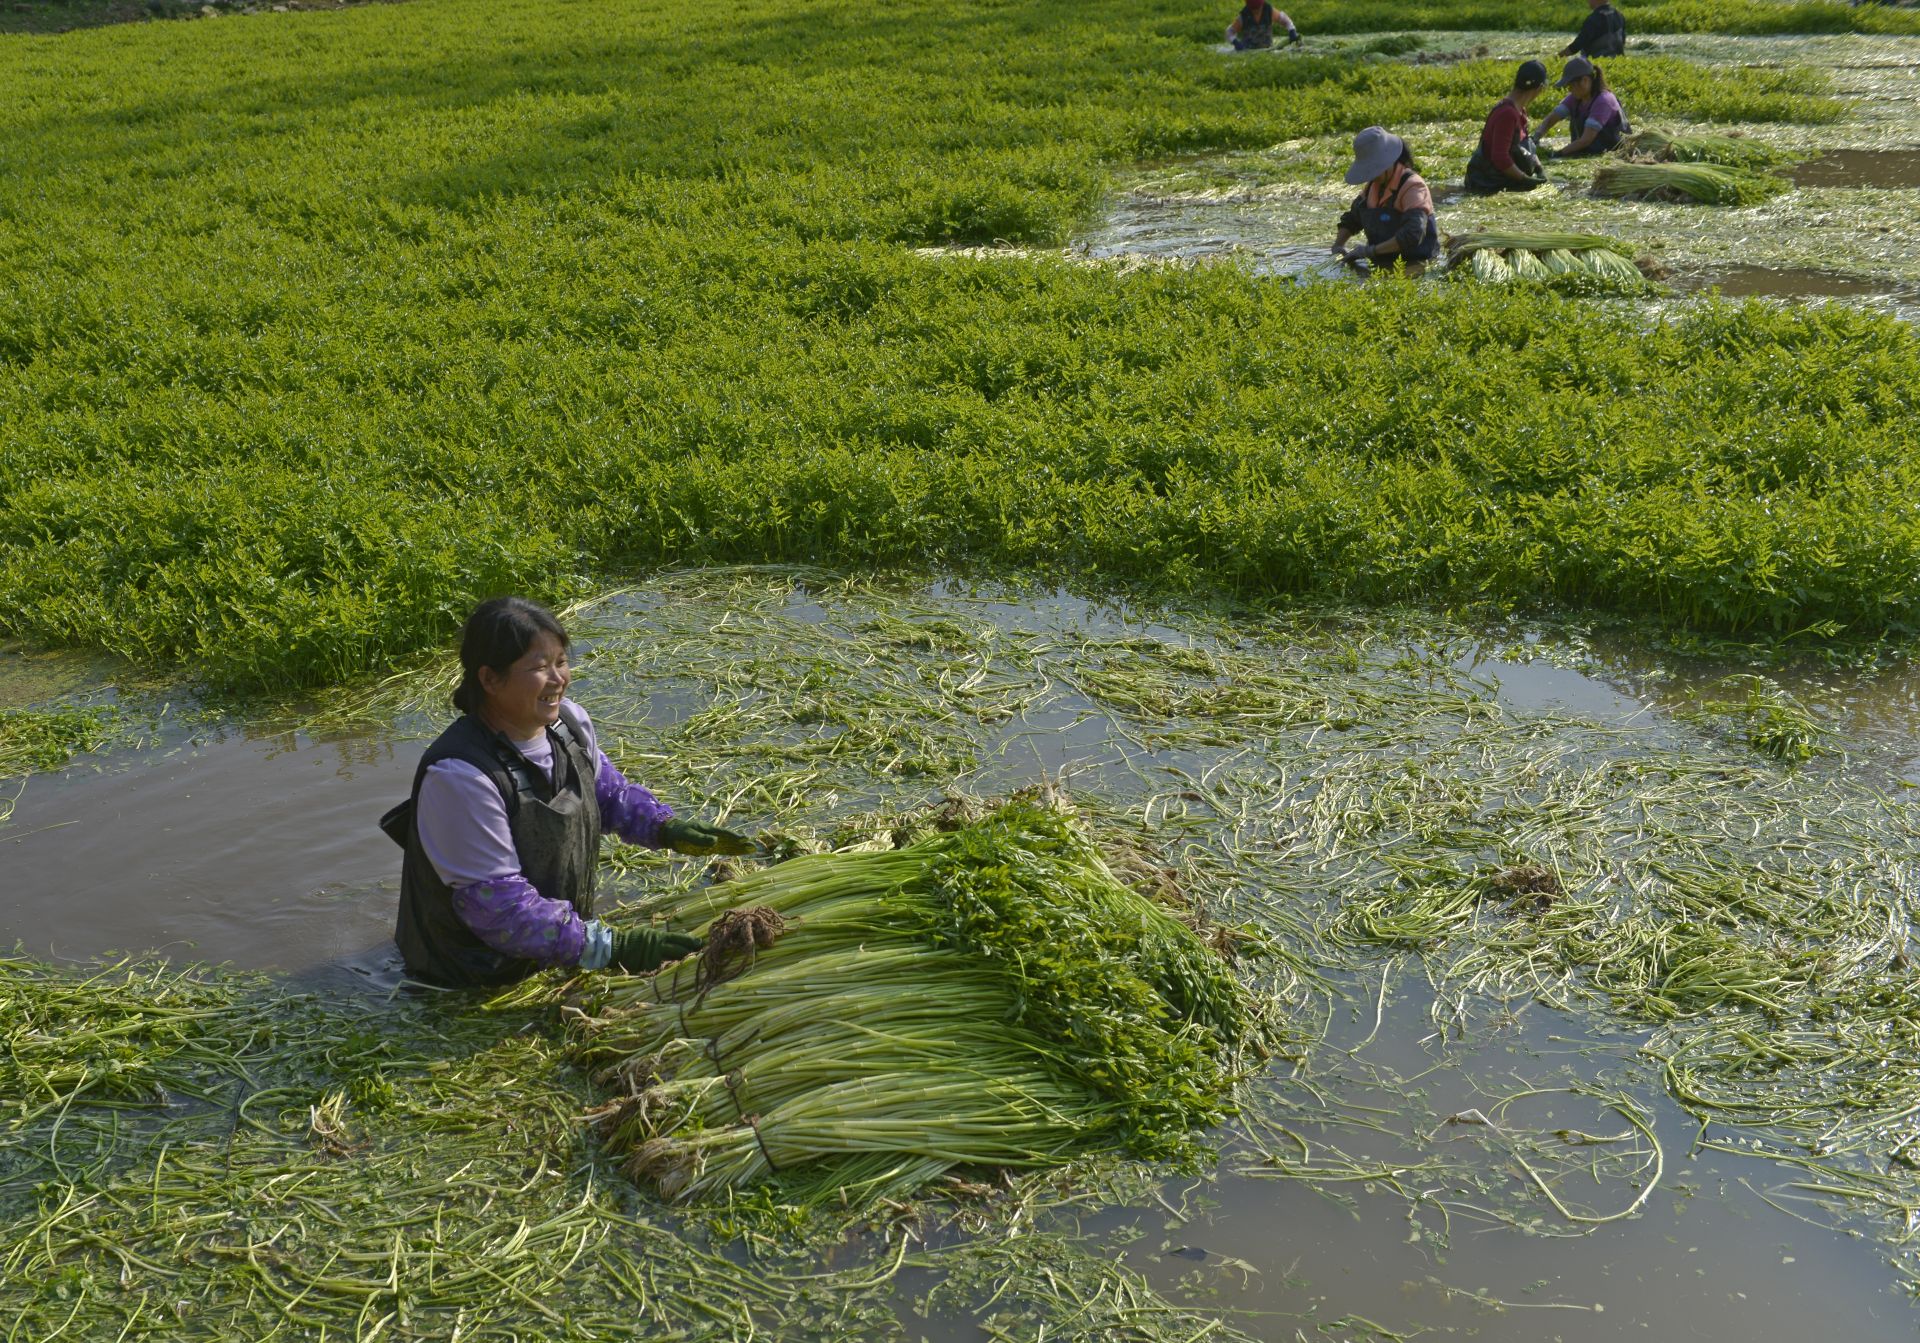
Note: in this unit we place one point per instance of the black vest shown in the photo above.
(556, 833)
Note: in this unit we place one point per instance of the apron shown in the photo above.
(1255, 34)
(1381, 220)
(556, 834)
(1604, 143)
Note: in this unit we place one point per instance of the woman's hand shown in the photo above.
(638, 950)
(699, 839)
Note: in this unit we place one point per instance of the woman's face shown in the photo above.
(524, 700)
(1581, 88)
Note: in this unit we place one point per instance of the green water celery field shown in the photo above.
(316, 327)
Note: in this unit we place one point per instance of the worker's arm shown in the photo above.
(1233, 29)
(1502, 130)
(1349, 224)
(637, 816)
(1552, 119)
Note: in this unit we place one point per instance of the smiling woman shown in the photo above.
(502, 831)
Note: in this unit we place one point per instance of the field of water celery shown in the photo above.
(318, 326)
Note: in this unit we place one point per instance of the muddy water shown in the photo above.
(1707, 1258)
(1890, 169)
(260, 849)
(1847, 233)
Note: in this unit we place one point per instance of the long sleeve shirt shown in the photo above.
(1602, 112)
(1603, 34)
(466, 836)
(1506, 126)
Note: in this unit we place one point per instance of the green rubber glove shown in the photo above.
(636, 950)
(700, 839)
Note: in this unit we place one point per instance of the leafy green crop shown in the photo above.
(316, 328)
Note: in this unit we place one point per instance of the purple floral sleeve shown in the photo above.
(513, 918)
(627, 809)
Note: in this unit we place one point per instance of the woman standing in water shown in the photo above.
(502, 832)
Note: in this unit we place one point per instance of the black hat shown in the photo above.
(1532, 75)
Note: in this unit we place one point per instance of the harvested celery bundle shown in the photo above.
(1655, 146)
(993, 995)
(1706, 183)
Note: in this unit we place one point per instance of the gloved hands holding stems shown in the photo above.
(637, 950)
(699, 839)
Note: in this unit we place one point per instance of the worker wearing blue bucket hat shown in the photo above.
(1394, 210)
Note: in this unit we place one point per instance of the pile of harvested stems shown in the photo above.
(1500, 258)
(864, 1021)
(1654, 146)
(1704, 183)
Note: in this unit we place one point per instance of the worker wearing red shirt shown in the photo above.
(1506, 159)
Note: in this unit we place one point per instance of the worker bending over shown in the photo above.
(1603, 34)
(1394, 210)
(1506, 159)
(1593, 115)
(1252, 28)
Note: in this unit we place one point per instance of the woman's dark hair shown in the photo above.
(498, 634)
(1599, 84)
(1406, 158)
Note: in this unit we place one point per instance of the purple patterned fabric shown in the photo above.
(510, 916)
(464, 830)
(627, 809)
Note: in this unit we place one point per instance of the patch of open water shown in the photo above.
(1890, 169)
(260, 849)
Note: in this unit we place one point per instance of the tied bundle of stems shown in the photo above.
(1705, 183)
(865, 1021)
(1499, 258)
(1655, 146)
(1465, 244)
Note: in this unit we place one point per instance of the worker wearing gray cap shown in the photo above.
(1394, 210)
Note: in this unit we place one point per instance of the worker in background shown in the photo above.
(1506, 159)
(1593, 115)
(1252, 28)
(502, 831)
(1394, 210)
(1603, 34)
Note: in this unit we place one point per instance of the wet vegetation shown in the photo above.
(309, 343)
(314, 328)
(218, 1152)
